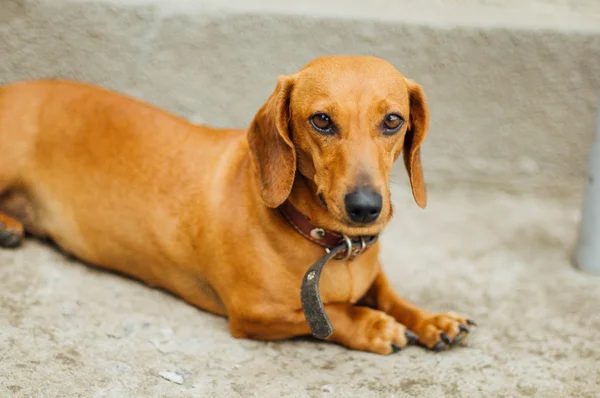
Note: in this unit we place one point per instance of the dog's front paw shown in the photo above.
(376, 331)
(443, 330)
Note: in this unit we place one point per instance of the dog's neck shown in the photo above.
(304, 197)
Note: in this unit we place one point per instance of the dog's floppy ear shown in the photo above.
(417, 130)
(271, 146)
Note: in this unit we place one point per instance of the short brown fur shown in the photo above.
(192, 209)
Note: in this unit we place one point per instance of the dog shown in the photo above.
(229, 220)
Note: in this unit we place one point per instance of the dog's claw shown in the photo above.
(396, 348)
(9, 239)
(471, 322)
(412, 337)
(439, 346)
(445, 338)
(458, 338)
(463, 332)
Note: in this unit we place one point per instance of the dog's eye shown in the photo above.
(392, 123)
(322, 123)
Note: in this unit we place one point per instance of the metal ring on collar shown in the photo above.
(363, 245)
(348, 243)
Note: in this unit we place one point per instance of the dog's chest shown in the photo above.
(348, 281)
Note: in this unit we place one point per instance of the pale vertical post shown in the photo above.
(587, 253)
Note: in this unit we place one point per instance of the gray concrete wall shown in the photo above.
(512, 88)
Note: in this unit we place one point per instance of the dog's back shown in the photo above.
(63, 143)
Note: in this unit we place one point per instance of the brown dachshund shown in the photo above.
(229, 220)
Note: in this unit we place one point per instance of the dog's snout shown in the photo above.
(363, 205)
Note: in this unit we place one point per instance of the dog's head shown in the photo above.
(341, 122)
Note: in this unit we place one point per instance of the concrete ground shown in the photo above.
(67, 330)
(512, 86)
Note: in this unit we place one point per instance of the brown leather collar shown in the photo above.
(323, 237)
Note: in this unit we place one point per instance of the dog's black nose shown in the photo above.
(363, 205)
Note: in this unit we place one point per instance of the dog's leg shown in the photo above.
(359, 328)
(11, 232)
(435, 331)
